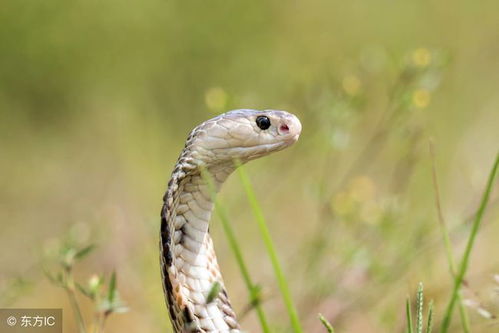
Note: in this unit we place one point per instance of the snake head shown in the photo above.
(244, 135)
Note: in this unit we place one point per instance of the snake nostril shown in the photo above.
(284, 129)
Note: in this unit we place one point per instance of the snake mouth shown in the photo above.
(291, 139)
(251, 152)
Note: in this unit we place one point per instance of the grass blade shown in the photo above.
(84, 252)
(214, 291)
(419, 309)
(429, 324)
(445, 234)
(408, 313)
(326, 323)
(469, 246)
(267, 240)
(234, 246)
(112, 288)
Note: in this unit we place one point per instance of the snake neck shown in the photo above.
(188, 260)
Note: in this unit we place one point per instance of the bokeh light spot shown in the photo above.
(351, 84)
(421, 98)
(216, 99)
(421, 57)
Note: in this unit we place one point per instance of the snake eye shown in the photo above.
(263, 122)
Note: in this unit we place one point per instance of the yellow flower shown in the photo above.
(421, 57)
(351, 84)
(421, 98)
(216, 99)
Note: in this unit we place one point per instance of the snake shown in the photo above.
(189, 267)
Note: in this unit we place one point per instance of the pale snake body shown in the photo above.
(188, 262)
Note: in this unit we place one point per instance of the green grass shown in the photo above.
(253, 289)
(419, 328)
(269, 245)
(283, 285)
(326, 323)
(469, 246)
(104, 303)
(446, 239)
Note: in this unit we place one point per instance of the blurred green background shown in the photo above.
(97, 98)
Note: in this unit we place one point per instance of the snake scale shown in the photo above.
(189, 265)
